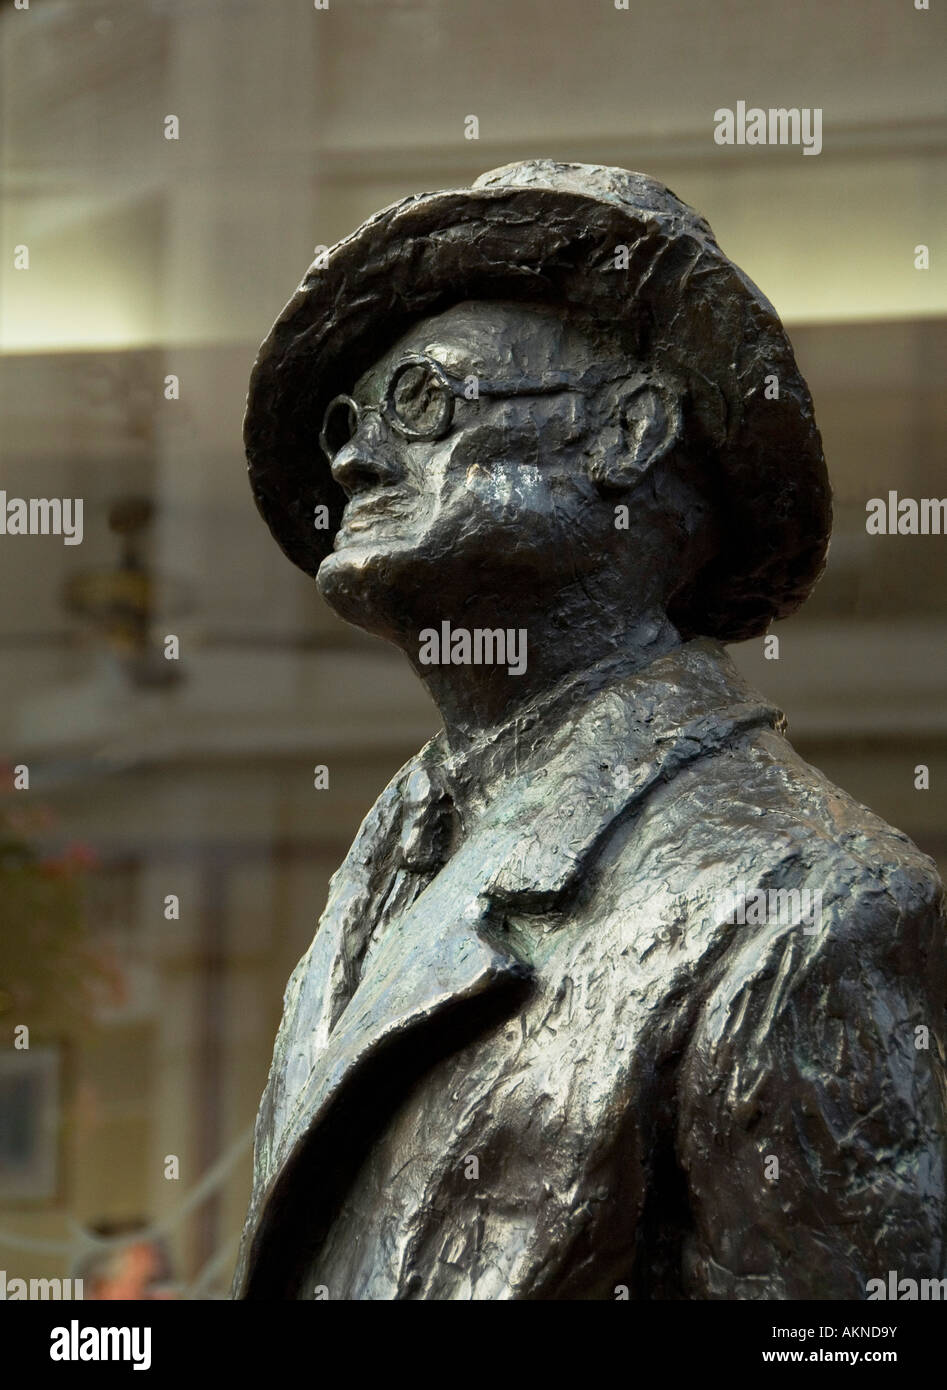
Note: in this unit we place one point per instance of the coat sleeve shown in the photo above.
(812, 1099)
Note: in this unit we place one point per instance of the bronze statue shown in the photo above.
(614, 996)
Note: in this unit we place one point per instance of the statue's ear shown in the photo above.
(642, 425)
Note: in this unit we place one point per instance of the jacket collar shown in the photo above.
(600, 764)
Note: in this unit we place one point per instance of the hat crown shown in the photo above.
(622, 188)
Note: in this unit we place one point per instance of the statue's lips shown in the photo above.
(370, 515)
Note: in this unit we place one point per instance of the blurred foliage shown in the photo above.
(51, 975)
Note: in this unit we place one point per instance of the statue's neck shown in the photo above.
(485, 679)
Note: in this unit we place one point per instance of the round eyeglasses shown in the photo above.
(418, 403)
(420, 395)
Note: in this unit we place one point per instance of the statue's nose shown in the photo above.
(368, 458)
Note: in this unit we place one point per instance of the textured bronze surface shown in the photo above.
(564, 1030)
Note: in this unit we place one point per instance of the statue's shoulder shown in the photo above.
(752, 817)
(830, 955)
(852, 849)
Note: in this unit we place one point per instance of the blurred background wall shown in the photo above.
(152, 257)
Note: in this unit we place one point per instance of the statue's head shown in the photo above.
(549, 383)
(508, 452)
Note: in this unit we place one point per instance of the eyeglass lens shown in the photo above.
(419, 402)
(419, 399)
(338, 425)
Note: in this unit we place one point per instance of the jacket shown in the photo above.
(597, 1053)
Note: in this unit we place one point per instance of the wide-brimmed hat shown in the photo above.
(553, 233)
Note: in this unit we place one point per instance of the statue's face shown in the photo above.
(466, 467)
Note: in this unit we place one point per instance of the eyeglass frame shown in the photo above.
(592, 378)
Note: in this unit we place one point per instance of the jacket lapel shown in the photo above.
(439, 957)
(436, 955)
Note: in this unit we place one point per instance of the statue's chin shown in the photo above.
(343, 582)
(358, 585)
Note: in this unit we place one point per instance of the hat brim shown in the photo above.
(422, 254)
